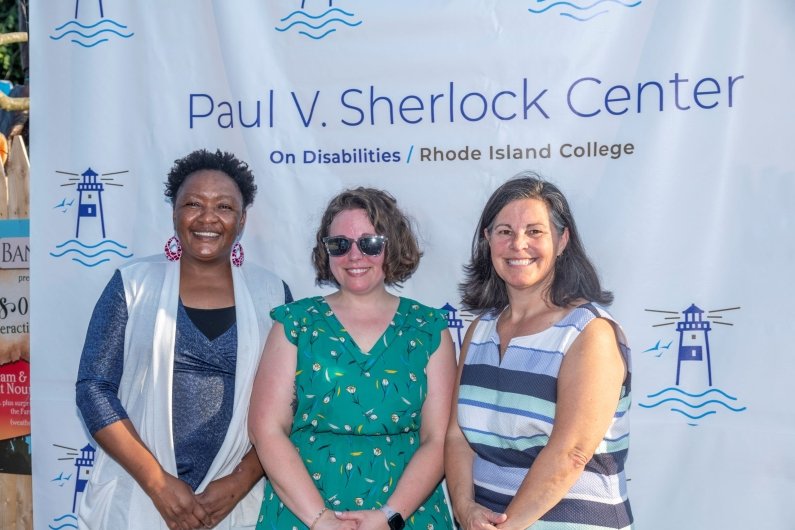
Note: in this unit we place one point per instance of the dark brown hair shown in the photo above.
(574, 276)
(401, 253)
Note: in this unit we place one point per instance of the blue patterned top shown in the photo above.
(203, 381)
(506, 410)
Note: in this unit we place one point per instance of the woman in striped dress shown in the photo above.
(539, 431)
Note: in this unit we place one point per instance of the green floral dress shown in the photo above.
(357, 414)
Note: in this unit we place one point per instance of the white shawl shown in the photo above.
(113, 499)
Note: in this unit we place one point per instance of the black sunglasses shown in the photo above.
(340, 245)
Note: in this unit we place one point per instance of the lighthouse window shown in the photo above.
(89, 195)
(693, 336)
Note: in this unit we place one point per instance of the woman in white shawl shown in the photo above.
(168, 363)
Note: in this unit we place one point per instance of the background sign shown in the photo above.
(667, 124)
(14, 336)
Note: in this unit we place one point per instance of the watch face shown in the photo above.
(396, 522)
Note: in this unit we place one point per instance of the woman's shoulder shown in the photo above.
(585, 310)
(414, 307)
(300, 309)
(147, 270)
(422, 316)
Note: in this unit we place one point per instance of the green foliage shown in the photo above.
(10, 63)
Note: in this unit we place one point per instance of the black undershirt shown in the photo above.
(212, 322)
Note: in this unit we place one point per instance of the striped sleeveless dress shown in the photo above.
(506, 410)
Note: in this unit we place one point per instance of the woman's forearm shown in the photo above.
(249, 470)
(458, 458)
(422, 474)
(551, 476)
(289, 477)
(122, 442)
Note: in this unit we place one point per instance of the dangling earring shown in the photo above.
(173, 249)
(237, 254)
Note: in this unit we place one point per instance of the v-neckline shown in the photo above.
(208, 341)
(365, 359)
(495, 335)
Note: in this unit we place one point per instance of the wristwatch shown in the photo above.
(393, 518)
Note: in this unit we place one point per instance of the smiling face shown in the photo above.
(524, 244)
(208, 216)
(356, 272)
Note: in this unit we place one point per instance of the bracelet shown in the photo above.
(317, 517)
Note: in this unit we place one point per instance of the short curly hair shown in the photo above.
(222, 161)
(402, 252)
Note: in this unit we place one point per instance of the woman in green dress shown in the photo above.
(351, 402)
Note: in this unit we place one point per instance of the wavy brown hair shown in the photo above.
(401, 253)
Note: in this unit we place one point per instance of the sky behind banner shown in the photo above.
(667, 125)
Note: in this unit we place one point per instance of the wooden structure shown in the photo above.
(16, 491)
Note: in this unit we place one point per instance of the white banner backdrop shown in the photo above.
(667, 124)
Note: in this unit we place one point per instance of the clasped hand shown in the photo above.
(474, 516)
(355, 520)
(183, 510)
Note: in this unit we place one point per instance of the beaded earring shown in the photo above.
(237, 254)
(173, 249)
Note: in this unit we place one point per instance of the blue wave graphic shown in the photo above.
(79, 243)
(89, 258)
(571, 9)
(313, 31)
(694, 417)
(318, 37)
(326, 23)
(89, 45)
(76, 23)
(697, 406)
(680, 391)
(582, 19)
(91, 36)
(81, 262)
(70, 250)
(67, 524)
(307, 15)
(84, 38)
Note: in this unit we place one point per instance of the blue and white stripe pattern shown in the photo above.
(506, 410)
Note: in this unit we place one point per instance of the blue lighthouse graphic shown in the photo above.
(311, 23)
(90, 200)
(693, 340)
(99, 7)
(83, 465)
(454, 323)
(693, 396)
(89, 27)
(89, 244)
